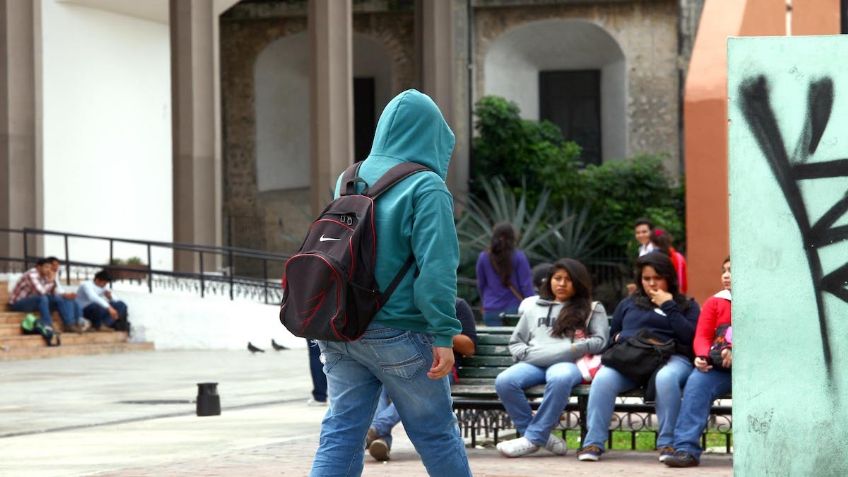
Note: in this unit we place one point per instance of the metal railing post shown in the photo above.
(26, 252)
(265, 278)
(202, 281)
(149, 270)
(232, 272)
(67, 262)
(111, 251)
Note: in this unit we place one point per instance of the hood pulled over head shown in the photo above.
(413, 129)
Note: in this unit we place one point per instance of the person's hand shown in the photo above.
(726, 357)
(108, 295)
(69, 296)
(113, 313)
(442, 362)
(659, 297)
(702, 364)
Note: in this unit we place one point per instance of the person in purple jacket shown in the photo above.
(503, 275)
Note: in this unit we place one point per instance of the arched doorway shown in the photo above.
(571, 72)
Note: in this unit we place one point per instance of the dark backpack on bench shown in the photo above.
(329, 289)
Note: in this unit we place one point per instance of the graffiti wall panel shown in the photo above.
(788, 113)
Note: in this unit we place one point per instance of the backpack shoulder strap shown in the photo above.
(349, 179)
(393, 176)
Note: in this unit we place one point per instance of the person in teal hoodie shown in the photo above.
(408, 346)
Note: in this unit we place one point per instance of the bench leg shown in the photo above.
(583, 416)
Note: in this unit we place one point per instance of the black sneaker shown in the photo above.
(590, 453)
(682, 459)
(665, 453)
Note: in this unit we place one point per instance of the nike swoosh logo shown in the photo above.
(325, 239)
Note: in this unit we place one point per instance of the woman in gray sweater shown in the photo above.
(556, 329)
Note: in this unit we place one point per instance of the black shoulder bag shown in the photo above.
(639, 356)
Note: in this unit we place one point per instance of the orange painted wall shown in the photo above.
(705, 119)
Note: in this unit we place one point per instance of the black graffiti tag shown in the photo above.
(789, 171)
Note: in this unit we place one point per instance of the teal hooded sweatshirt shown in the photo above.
(415, 217)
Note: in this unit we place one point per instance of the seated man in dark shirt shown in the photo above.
(379, 438)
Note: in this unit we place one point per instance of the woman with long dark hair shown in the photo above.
(659, 308)
(556, 329)
(503, 275)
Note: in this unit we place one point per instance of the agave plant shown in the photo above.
(573, 235)
(502, 204)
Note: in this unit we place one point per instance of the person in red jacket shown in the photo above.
(711, 376)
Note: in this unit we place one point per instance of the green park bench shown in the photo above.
(480, 411)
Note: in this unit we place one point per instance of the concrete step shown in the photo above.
(36, 341)
(11, 354)
(15, 318)
(10, 329)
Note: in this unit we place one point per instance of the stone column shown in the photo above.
(196, 216)
(21, 193)
(331, 95)
(443, 74)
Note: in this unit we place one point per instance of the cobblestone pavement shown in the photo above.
(293, 457)
(87, 416)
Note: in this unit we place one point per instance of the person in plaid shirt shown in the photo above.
(36, 291)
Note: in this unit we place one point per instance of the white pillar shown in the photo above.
(196, 190)
(21, 184)
(331, 95)
(443, 75)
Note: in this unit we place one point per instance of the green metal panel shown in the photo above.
(486, 339)
(788, 114)
(475, 361)
(498, 350)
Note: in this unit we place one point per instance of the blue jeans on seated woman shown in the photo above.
(609, 383)
(493, 318)
(356, 371)
(558, 379)
(698, 396)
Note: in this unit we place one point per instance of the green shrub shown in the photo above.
(619, 192)
(514, 148)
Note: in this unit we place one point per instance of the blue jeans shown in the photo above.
(99, 316)
(399, 361)
(316, 369)
(44, 304)
(558, 379)
(698, 396)
(608, 383)
(492, 318)
(387, 417)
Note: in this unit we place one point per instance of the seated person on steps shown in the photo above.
(98, 304)
(36, 291)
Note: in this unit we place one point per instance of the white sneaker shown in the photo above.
(556, 445)
(315, 403)
(85, 325)
(517, 447)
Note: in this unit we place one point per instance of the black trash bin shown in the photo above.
(208, 401)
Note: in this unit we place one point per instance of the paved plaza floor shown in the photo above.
(132, 415)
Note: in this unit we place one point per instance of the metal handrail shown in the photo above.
(259, 283)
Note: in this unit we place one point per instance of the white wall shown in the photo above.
(281, 89)
(107, 129)
(282, 114)
(514, 60)
(173, 320)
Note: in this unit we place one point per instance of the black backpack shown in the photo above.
(329, 289)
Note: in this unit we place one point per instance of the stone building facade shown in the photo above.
(638, 47)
